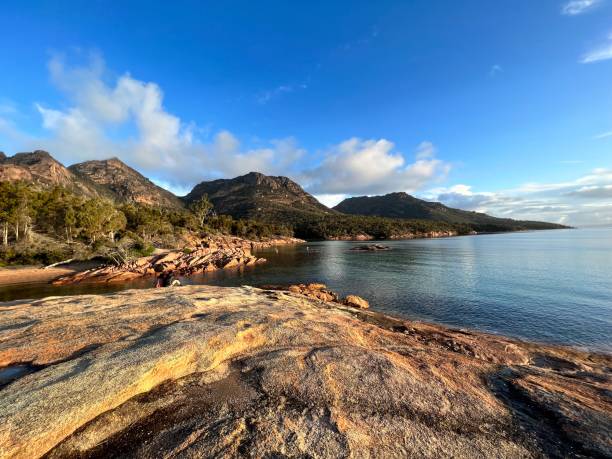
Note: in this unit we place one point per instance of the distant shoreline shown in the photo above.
(28, 274)
(482, 233)
(31, 274)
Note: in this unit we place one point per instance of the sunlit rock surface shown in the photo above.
(206, 371)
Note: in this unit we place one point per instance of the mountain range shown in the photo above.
(402, 205)
(254, 195)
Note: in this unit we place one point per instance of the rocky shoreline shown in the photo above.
(426, 235)
(209, 254)
(203, 371)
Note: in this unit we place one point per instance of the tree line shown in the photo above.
(75, 220)
(348, 226)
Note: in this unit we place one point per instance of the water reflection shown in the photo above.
(550, 286)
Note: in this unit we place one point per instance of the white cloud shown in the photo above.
(159, 143)
(575, 7)
(122, 116)
(586, 200)
(266, 96)
(358, 166)
(425, 150)
(495, 69)
(603, 135)
(74, 134)
(601, 53)
(331, 200)
(7, 107)
(600, 176)
(593, 192)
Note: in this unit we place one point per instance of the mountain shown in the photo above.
(109, 178)
(270, 199)
(262, 197)
(126, 184)
(42, 170)
(402, 205)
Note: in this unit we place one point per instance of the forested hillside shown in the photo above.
(402, 205)
(259, 196)
(49, 225)
(49, 212)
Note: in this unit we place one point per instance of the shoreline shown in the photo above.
(31, 274)
(13, 275)
(368, 238)
(153, 362)
(17, 275)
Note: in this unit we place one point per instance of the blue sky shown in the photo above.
(503, 107)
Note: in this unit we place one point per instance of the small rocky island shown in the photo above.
(371, 248)
(205, 371)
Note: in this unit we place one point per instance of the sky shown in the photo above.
(501, 107)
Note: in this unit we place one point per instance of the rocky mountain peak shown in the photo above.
(110, 178)
(272, 182)
(126, 183)
(115, 162)
(255, 195)
(31, 158)
(36, 166)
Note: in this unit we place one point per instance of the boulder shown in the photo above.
(356, 302)
(171, 256)
(314, 290)
(231, 263)
(316, 286)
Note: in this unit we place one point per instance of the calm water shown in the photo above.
(551, 286)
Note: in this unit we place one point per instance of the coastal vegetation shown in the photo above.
(403, 206)
(49, 212)
(397, 215)
(44, 226)
(339, 226)
(49, 225)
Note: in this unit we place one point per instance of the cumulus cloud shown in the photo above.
(106, 115)
(586, 200)
(372, 166)
(153, 140)
(575, 7)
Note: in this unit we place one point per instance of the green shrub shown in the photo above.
(141, 249)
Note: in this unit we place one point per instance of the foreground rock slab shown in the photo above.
(205, 371)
